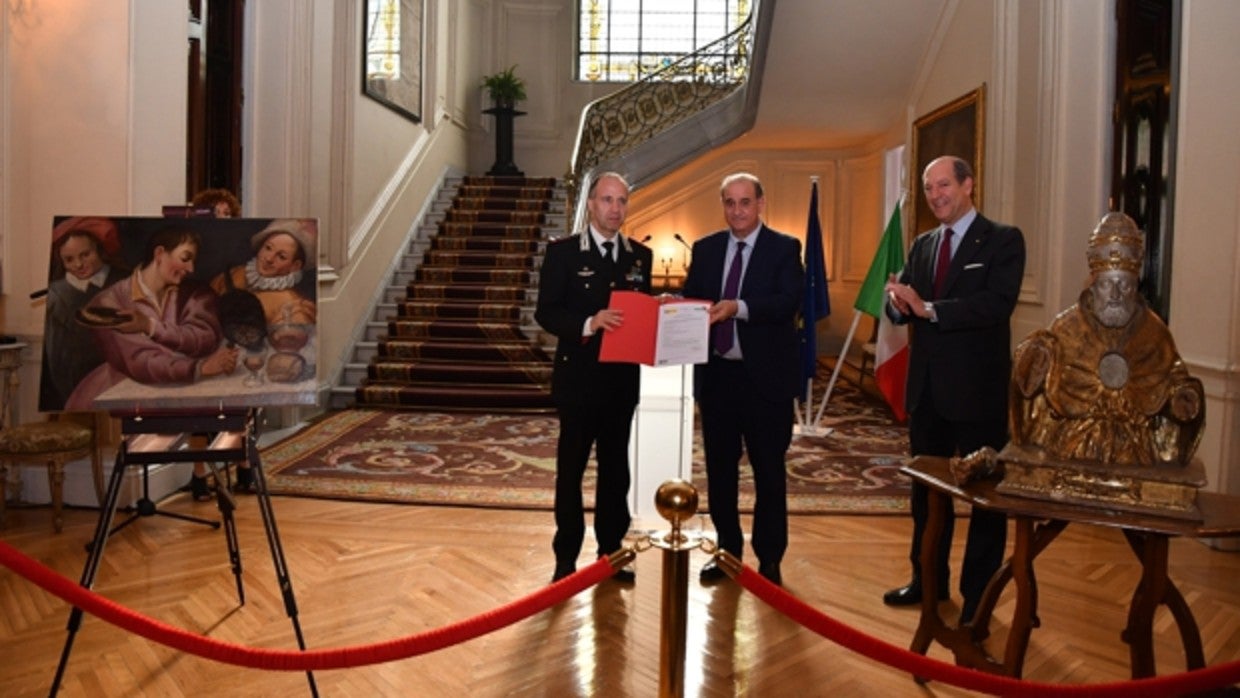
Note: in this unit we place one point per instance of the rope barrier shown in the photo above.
(297, 660)
(924, 667)
(412, 645)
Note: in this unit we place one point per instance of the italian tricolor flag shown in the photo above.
(891, 353)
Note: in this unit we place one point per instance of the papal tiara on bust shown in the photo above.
(1116, 243)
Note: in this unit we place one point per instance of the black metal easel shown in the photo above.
(158, 438)
(145, 506)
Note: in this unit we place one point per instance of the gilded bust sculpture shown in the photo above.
(1104, 383)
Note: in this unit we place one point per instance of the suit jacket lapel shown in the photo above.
(757, 256)
(713, 261)
(930, 250)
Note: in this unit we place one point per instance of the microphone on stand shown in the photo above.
(688, 251)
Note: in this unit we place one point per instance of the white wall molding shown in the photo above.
(345, 86)
(5, 120)
(1042, 235)
(299, 104)
(929, 60)
(526, 29)
(381, 206)
(859, 218)
(156, 84)
(1001, 92)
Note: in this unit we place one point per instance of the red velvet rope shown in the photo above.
(433, 640)
(922, 666)
(299, 660)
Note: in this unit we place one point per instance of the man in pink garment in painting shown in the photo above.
(156, 327)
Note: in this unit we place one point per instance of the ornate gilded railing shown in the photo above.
(619, 123)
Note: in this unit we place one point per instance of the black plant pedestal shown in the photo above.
(503, 141)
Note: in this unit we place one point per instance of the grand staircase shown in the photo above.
(454, 329)
(458, 332)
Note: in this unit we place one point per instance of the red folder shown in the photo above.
(637, 339)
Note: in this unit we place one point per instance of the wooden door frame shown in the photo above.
(214, 95)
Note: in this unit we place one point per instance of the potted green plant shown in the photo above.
(505, 88)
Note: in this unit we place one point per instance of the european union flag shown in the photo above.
(816, 304)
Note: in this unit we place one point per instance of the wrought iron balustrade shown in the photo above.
(620, 123)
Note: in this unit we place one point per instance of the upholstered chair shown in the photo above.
(64, 437)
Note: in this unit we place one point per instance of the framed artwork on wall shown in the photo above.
(956, 128)
(392, 55)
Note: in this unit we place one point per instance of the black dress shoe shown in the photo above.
(910, 595)
(245, 481)
(711, 573)
(562, 571)
(771, 572)
(967, 610)
(199, 488)
(626, 574)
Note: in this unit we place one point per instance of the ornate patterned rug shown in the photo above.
(508, 461)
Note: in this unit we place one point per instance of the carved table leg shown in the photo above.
(1154, 589)
(930, 626)
(1043, 534)
(1026, 597)
(56, 482)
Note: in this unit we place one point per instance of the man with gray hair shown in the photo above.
(754, 277)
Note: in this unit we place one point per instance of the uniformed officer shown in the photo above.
(595, 400)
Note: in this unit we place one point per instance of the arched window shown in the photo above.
(626, 40)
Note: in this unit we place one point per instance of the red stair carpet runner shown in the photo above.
(456, 342)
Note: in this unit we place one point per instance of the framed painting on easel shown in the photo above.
(149, 314)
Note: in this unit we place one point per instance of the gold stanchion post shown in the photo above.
(676, 500)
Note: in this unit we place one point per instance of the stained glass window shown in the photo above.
(383, 40)
(625, 40)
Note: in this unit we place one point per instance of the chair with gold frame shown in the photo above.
(62, 438)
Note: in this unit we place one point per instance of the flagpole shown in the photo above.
(839, 363)
(809, 400)
(810, 317)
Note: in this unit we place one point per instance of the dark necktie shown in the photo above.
(725, 331)
(607, 246)
(945, 261)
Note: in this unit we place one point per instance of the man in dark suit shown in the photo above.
(958, 291)
(745, 392)
(595, 400)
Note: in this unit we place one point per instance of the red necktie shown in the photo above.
(944, 261)
(725, 331)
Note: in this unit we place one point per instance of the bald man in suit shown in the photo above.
(595, 400)
(957, 292)
(745, 391)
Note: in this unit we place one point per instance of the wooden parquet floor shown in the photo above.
(363, 573)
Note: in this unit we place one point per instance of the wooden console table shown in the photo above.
(1037, 524)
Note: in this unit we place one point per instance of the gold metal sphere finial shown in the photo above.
(676, 500)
